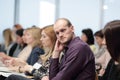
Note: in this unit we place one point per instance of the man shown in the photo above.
(78, 60)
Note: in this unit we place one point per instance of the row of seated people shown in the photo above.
(99, 49)
(10, 39)
(48, 39)
(33, 45)
(36, 40)
(101, 54)
(107, 53)
(87, 36)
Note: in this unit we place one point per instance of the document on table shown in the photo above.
(6, 72)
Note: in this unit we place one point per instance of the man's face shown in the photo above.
(63, 32)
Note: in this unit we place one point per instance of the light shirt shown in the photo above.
(25, 53)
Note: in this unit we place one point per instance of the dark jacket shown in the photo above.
(112, 72)
(77, 63)
(35, 55)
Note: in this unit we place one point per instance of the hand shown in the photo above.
(8, 62)
(57, 49)
(58, 46)
(18, 62)
(4, 57)
(21, 69)
(15, 62)
(45, 78)
(2, 54)
(27, 68)
(101, 72)
(14, 68)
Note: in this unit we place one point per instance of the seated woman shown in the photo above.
(14, 29)
(87, 36)
(112, 38)
(19, 45)
(35, 43)
(8, 40)
(30, 53)
(48, 40)
(102, 56)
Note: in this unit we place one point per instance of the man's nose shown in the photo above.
(60, 34)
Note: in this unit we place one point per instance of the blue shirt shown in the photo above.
(35, 55)
(77, 63)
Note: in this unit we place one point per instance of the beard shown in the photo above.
(65, 41)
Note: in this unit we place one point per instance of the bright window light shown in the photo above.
(47, 13)
(105, 7)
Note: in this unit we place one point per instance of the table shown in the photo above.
(6, 72)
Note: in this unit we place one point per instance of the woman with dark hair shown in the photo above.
(19, 45)
(102, 55)
(14, 29)
(112, 38)
(87, 36)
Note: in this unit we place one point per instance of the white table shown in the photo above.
(6, 72)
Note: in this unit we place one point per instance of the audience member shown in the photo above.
(8, 40)
(15, 28)
(30, 53)
(102, 56)
(19, 45)
(87, 36)
(77, 62)
(111, 32)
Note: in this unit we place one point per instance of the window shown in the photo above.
(47, 13)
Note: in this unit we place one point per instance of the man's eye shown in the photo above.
(62, 30)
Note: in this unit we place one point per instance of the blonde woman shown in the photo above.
(48, 40)
(30, 53)
(7, 34)
(31, 38)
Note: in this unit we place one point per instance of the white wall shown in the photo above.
(6, 15)
(112, 12)
(82, 13)
(47, 12)
(29, 13)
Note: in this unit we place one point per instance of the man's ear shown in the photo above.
(72, 28)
